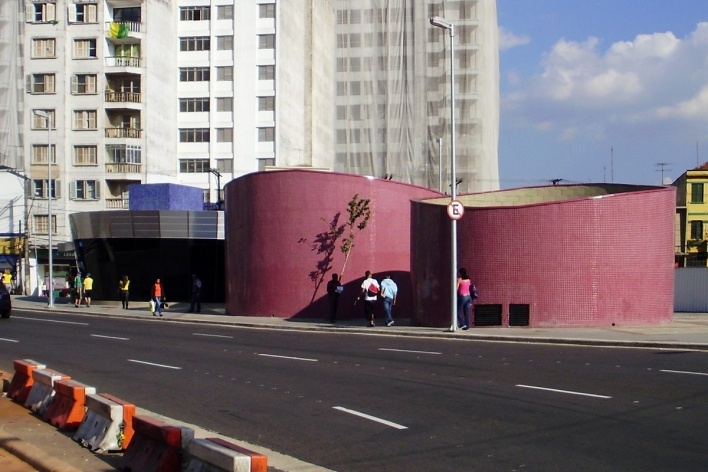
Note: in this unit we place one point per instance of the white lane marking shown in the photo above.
(157, 365)
(406, 350)
(50, 321)
(369, 417)
(110, 337)
(684, 372)
(564, 391)
(288, 357)
(9, 340)
(213, 335)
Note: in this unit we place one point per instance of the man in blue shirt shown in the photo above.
(389, 290)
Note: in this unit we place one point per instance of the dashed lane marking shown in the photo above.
(412, 352)
(9, 340)
(109, 337)
(570, 392)
(50, 321)
(369, 417)
(212, 335)
(156, 365)
(683, 372)
(288, 357)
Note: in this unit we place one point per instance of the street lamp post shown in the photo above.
(50, 287)
(442, 23)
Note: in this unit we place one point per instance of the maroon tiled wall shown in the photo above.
(595, 261)
(274, 218)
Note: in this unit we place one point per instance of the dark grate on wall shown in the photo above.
(487, 315)
(518, 314)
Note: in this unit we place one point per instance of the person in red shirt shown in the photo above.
(158, 296)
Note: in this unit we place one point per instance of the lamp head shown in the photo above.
(441, 22)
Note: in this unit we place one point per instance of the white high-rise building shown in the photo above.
(393, 91)
(199, 92)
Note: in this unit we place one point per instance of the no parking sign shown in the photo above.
(455, 210)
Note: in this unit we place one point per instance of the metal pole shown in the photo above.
(453, 191)
(49, 212)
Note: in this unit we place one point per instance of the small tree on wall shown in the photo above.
(359, 215)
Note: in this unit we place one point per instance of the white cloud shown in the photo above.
(651, 79)
(508, 40)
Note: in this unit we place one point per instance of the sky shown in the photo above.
(602, 90)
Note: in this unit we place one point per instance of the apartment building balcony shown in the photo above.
(124, 63)
(122, 168)
(117, 203)
(121, 32)
(130, 133)
(123, 97)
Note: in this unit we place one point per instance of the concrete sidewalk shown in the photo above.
(47, 449)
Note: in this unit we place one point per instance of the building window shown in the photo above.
(40, 122)
(85, 155)
(266, 135)
(40, 188)
(85, 190)
(224, 135)
(199, 13)
(266, 10)
(83, 13)
(263, 163)
(224, 73)
(193, 166)
(697, 230)
(84, 49)
(41, 224)
(696, 193)
(225, 166)
(42, 12)
(193, 104)
(225, 43)
(41, 83)
(83, 84)
(43, 48)
(194, 135)
(39, 154)
(266, 72)
(224, 104)
(341, 112)
(193, 74)
(266, 41)
(123, 154)
(225, 12)
(127, 15)
(196, 43)
(85, 119)
(266, 103)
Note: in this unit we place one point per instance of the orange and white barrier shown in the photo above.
(107, 425)
(22, 380)
(156, 446)
(206, 454)
(42, 391)
(68, 407)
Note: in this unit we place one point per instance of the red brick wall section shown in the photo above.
(595, 261)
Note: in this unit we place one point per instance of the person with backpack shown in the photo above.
(369, 290)
(466, 291)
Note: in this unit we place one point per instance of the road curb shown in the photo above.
(33, 455)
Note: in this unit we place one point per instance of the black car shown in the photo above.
(5, 302)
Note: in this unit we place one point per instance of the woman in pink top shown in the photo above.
(464, 299)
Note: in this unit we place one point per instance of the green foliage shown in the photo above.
(359, 215)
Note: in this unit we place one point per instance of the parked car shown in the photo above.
(5, 302)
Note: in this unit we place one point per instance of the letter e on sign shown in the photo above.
(455, 210)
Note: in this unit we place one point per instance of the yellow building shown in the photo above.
(692, 218)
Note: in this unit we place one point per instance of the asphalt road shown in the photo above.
(359, 403)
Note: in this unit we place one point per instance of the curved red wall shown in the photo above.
(593, 261)
(273, 218)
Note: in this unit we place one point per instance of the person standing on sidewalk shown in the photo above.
(369, 290)
(464, 299)
(196, 304)
(124, 291)
(7, 280)
(88, 287)
(389, 290)
(78, 286)
(158, 295)
(334, 288)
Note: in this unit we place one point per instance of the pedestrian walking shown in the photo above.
(78, 288)
(124, 291)
(158, 296)
(464, 299)
(196, 305)
(369, 290)
(7, 280)
(334, 289)
(389, 291)
(88, 288)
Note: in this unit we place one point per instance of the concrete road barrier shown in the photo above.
(68, 407)
(22, 380)
(107, 425)
(156, 446)
(42, 391)
(206, 454)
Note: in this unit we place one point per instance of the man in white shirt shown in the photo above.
(369, 290)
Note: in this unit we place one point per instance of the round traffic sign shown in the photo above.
(455, 210)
